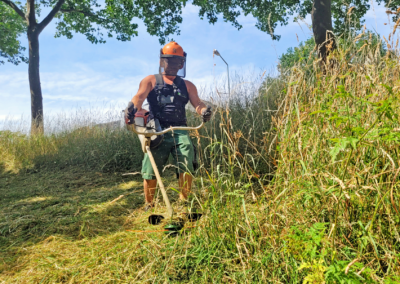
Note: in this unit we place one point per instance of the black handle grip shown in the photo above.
(130, 113)
(131, 106)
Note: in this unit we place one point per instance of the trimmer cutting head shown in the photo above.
(155, 219)
(173, 228)
(176, 225)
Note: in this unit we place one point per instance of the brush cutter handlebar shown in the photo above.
(172, 128)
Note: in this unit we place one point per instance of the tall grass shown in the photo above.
(94, 139)
(309, 194)
(90, 139)
(339, 160)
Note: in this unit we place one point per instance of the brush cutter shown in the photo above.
(146, 136)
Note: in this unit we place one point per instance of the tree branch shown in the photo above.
(15, 7)
(86, 13)
(51, 15)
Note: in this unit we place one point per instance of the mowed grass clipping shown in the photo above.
(308, 195)
(65, 224)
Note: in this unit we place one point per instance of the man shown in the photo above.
(167, 94)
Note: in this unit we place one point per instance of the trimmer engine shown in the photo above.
(144, 123)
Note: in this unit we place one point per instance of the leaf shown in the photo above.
(353, 141)
(388, 88)
(341, 144)
(303, 165)
(334, 152)
(318, 111)
(12, 26)
(358, 130)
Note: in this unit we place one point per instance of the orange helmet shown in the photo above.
(172, 55)
(172, 49)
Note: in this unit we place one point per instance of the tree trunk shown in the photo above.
(34, 81)
(322, 27)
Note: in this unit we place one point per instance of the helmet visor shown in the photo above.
(173, 66)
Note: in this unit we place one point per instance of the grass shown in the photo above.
(309, 195)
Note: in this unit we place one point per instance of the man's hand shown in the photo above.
(130, 112)
(206, 114)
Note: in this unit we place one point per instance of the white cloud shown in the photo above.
(62, 91)
(75, 73)
(190, 10)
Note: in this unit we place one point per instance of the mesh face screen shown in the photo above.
(173, 66)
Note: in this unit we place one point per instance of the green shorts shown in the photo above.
(179, 145)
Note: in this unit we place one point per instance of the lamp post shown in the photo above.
(227, 67)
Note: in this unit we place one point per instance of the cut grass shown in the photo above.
(329, 214)
(54, 224)
(66, 226)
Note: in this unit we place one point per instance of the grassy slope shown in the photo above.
(330, 214)
(59, 224)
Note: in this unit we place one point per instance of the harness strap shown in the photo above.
(177, 80)
(159, 81)
(158, 89)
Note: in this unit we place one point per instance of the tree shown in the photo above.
(162, 17)
(321, 18)
(347, 15)
(88, 17)
(11, 27)
(304, 55)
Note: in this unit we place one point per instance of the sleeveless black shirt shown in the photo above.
(167, 102)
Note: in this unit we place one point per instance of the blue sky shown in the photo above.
(78, 74)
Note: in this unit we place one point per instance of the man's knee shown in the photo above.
(150, 183)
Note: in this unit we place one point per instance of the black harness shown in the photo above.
(167, 102)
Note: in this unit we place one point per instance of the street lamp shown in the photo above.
(227, 67)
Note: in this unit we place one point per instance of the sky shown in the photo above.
(76, 74)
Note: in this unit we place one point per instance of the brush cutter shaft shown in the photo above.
(160, 183)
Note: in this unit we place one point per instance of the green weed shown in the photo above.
(299, 184)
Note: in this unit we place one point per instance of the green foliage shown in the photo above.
(271, 13)
(162, 18)
(297, 56)
(93, 18)
(312, 247)
(11, 27)
(305, 54)
(320, 220)
(317, 272)
(346, 21)
(339, 153)
(392, 6)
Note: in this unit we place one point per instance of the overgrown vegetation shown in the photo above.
(330, 213)
(11, 27)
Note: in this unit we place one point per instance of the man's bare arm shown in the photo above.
(194, 98)
(145, 87)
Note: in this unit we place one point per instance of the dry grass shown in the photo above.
(328, 214)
